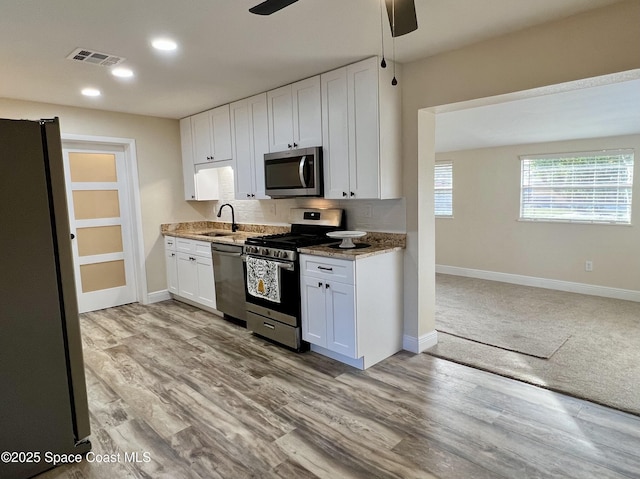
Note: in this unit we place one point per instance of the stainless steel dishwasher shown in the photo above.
(229, 279)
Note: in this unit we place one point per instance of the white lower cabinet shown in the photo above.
(190, 271)
(352, 309)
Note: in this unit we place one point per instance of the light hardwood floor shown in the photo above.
(206, 399)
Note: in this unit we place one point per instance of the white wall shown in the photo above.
(484, 233)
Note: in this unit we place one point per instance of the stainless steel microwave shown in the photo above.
(293, 173)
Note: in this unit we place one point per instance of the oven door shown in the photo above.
(293, 173)
(288, 309)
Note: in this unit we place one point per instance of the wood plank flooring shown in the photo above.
(206, 399)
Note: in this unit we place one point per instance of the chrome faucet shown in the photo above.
(234, 226)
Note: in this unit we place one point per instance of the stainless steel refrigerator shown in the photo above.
(43, 399)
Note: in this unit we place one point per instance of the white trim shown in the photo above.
(418, 345)
(158, 296)
(559, 285)
(131, 165)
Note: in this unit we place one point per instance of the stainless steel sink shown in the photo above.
(215, 233)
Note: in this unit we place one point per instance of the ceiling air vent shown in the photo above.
(85, 55)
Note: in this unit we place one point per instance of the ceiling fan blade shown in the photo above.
(405, 16)
(270, 6)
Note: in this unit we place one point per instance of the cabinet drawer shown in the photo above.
(169, 243)
(199, 248)
(327, 268)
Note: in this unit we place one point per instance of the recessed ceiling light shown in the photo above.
(91, 92)
(122, 72)
(165, 44)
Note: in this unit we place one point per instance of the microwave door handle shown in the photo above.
(303, 160)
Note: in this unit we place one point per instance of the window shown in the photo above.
(444, 189)
(592, 187)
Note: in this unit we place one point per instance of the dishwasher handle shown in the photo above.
(225, 253)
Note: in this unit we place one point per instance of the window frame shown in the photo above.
(579, 218)
(436, 189)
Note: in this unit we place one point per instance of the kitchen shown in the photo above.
(161, 189)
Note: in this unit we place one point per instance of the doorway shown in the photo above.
(101, 199)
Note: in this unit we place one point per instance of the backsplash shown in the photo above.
(368, 215)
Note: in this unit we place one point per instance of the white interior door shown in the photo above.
(100, 220)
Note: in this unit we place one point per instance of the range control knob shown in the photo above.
(284, 254)
(265, 251)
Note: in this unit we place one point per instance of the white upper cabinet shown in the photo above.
(188, 170)
(295, 115)
(250, 141)
(211, 131)
(361, 132)
(200, 180)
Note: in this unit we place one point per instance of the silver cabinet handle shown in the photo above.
(303, 160)
(267, 325)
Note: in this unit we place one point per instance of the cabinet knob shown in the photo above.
(252, 195)
(191, 258)
(344, 193)
(295, 145)
(248, 195)
(326, 285)
(289, 145)
(193, 197)
(319, 284)
(353, 194)
(173, 254)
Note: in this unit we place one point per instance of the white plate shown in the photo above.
(346, 237)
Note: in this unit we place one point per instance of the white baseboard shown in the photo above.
(158, 296)
(418, 345)
(568, 286)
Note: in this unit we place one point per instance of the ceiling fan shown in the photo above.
(401, 13)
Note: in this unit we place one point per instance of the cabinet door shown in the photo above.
(259, 141)
(172, 271)
(341, 319)
(280, 108)
(307, 117)
(188, 171)
(206, 289)
(201, 128)
(187, 278)
(220, 133)
(241, 148)
(335, 138)
(314, 321)
(364, 154)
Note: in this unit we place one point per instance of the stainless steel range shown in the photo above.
(272, 273)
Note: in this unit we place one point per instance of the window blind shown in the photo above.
(444, 188)
(582, 187)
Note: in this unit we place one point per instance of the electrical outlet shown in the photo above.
(367, 211)
(588, 265)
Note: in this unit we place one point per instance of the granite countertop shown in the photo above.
(195, 229)
(380, 242)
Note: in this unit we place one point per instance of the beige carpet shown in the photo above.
(599, 361)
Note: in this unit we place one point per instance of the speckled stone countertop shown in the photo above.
(381, 243)
(195, 229)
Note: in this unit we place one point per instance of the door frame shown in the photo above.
(133, 190)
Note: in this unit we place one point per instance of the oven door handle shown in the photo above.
(303, 161)
(281, 264)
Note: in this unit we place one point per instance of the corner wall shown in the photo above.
(485, 234)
